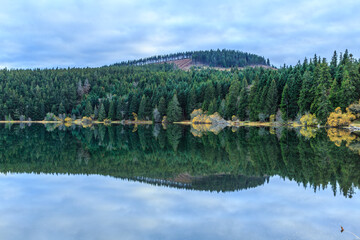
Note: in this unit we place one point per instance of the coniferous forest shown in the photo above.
(154, 90)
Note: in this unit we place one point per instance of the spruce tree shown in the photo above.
(102, 113)
(174, 111)
(347, 91)
(271, 98)
(112, 109)
(284, 105)
(334, 94)
(144, 108)
(212, 107)
(88, 109)
(232, 98)
(322, 106)
(306, 93)
(208, 96)
(162, 106)
(191, 104)
(333, 65)
(61, 109)
(243, 104)
(253, 101)
(294, 93)
(119, 113)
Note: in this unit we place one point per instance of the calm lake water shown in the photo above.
(151, 182)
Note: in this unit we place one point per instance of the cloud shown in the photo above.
(92, 33)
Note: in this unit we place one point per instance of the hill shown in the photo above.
(210, 58)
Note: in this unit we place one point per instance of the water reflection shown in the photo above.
(98, 207)
(227, 160)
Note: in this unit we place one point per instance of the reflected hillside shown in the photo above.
(229, 160)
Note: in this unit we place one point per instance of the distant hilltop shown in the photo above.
(220, 59)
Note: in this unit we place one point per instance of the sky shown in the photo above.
(81, 33)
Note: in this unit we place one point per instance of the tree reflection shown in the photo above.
(221, 161)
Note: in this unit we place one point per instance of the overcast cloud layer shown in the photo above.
(62, 33)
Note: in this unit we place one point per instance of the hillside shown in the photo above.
(187, 63)
(222, 59)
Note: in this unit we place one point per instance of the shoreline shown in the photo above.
(351, 127)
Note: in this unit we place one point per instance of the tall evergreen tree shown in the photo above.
(174, 111)
(61, 108)
(284, 106)
(334, 95)
(322, 106)
(112, 109)
(306, 93)
(232, 98)
(347, 91)
(271, 98)
(209, 95)
(162, 106)
(88, 109)
(253, 101)
(102, 112)
(144, 108)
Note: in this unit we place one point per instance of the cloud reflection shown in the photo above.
(97, 207)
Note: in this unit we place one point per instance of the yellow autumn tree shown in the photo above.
(309, 120)
(338, 118)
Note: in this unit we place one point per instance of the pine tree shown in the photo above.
(306, 93)
(333, 65)
(212, 107)
(232, 98)
(61, 109)
(144, 108)
(253, 101)
(191, 103)
(88, 109)
(222, 108)
(294, 93)
(174, 111)
(102, 113)
(347, 91)
(334, 94)
(112, 109)
(271, 98)
(162, 106)
(243, 104)
(119, 113)
(284, 105)
(323, 105)
(96, 112)
(208, 96)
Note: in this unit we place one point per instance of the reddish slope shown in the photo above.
(187, 63)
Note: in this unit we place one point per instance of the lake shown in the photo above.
(178, 182)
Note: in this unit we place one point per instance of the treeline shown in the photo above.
(214, 58)
(158, 90)
(228, 58)
(158, 156)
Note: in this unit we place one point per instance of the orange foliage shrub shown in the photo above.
(337, 118)
(309, 120)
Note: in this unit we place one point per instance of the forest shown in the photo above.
(156, 90)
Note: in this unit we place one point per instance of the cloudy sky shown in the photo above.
(62, 33)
